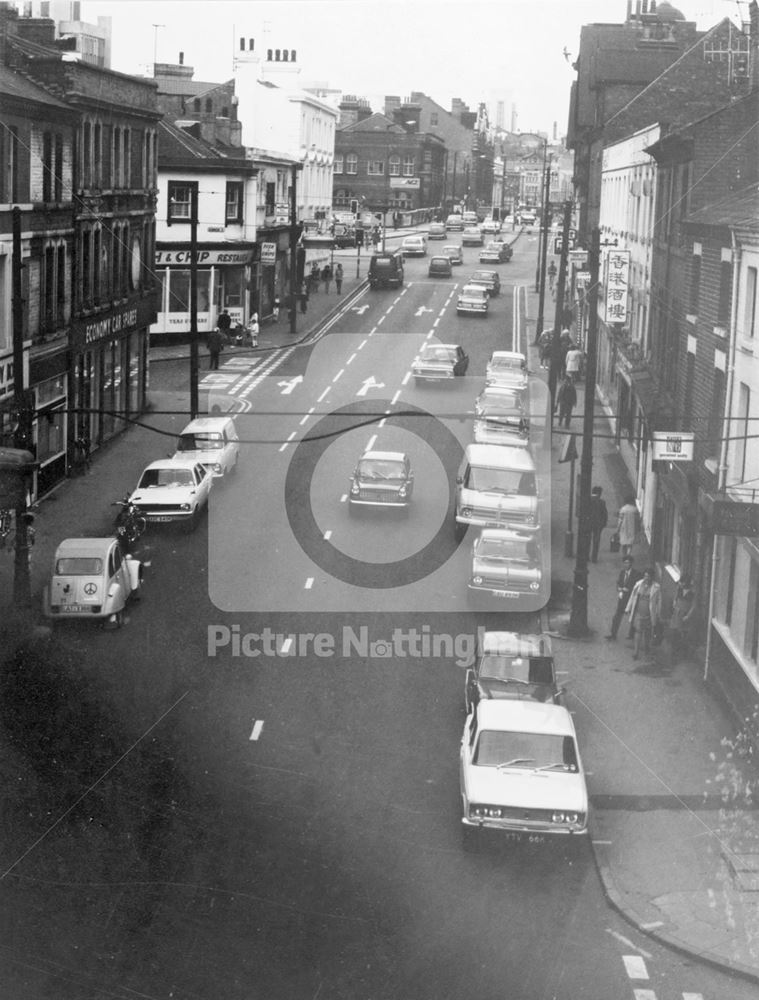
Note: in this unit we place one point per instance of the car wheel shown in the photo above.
(459, 530)
(191, 523)
(118, 619)
(470, 838)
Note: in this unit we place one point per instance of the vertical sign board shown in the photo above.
(268, 253)
(673, 446)
(617, 285)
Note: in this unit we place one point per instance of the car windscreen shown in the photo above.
(166, 477)
(200, 441)
(432, 353)
(383, 263)
(509, 481)
(79, 566)
(503, 407)
(379, 469)
(526, 750)
(508, 549)
(484, 276)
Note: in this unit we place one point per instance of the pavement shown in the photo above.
(674, 829)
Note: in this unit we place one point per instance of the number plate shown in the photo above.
(69, 608)
(159, 517)
(506, 593)
(529, 838)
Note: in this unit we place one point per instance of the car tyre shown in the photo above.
(191, 523)
(459, 530)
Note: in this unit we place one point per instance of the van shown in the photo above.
(496, 488)
(386, 270)
(212, 442)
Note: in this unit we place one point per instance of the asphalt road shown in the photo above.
(297, 744)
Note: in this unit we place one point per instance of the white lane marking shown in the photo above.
(620, 937)
(380, 320)
(309, 583)
(653, 924)
(362, 344)
(435, 323)
(327, 535)
(404, 380)
(285, 647)
(372, 442)
(341, 372)
(644, 995)
(602, 843)
(351, 358)
(319, 400)
(343, 498)
(290, 436)
(381, 423)
(258, 726)
(304, 419)
(635, 967)
(693, 996)
(394, 400)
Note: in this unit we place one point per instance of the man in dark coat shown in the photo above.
(224, 323)
(626, 580)
(566, 399)
(599, 517)
(215, 345)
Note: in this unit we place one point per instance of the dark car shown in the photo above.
(439, 361)
(440, 267)
(436, 231)
(386, 270)
(496, 252)
(512, 666)
(381, 479)
(488, 279)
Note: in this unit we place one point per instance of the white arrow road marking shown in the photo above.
(635, 967)
(370, 383)
(289, 384)
(360, 309)
(309, 583)
(257, 727)
(422, 310)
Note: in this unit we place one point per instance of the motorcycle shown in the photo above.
(130, 524)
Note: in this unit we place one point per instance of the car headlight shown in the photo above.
(466, 511)
(185, 506)
(477, 580)
(355, 488)
(486, 812)
(403, 491)
(535, 585)
(565, 817)
(531, 519)
(217, 467)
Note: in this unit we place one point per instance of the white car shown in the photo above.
(173, 489)
(473, 299)
(92, 578)
(414, 246)
(213, 442)
(490, 226)
(521, 772)
(507, 368)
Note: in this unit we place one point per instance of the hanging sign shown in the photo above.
(268, 253)
(617, 285)
(673, 446)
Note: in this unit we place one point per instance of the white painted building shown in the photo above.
(276, 114)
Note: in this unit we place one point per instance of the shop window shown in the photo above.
(233, 213)
(51, 437)
(179, 208)
(351, 163)
(179, 291)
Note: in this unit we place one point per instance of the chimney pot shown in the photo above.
(181, 58)
(251, 44)
(242, 45)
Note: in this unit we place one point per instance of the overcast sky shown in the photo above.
(510, 50)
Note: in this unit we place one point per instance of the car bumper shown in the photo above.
(475, 310)
(534, 833)
(378, 503)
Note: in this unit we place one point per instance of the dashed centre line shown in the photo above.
(257, 727)
(635, 967)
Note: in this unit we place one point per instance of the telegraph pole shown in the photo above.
(578, 619)
(293, 311)
(22, 583)
(543, 252)
(194, 355)
(553, 371)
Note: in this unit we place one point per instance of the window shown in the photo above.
(86, 140)
(751, 646)
(86, 269)
(58, 169)
(180, 201)
(408, 166)
(433, 118)
(47, 166)
(695, 283)
(209, 105)
(716, 412)
(97, 156)
(733, 542)
(97, 282)
(725, 281)
(9, 145)
(395, 165)
(376, 167)
(690, 365)
(351, 163)
(338, 166)
(233, 213)
(741, 433)
(116, 162)
(749, 303)
(271, 197)
(126, 135)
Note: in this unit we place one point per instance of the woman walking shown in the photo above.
(627, 525)
(644, 610)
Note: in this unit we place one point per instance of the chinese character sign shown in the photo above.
(617, 285)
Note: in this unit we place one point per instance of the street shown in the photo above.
(282, 815)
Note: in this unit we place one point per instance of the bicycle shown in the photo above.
(130, 524)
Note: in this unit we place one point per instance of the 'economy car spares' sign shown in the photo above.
(673, 446)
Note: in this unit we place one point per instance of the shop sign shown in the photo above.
(578, 257)
(617, 285)
(116, 323)
(732, 518)
(673, 446)
(582, 279)
(412, 183)
(268, 253)
(183, 257)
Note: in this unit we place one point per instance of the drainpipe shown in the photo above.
(726, 421)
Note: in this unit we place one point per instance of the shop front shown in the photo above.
(109, 372)
(225, 277)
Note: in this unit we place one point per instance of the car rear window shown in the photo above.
(166, 477)
(200, 442)
(79, 566)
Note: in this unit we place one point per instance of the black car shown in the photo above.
(514, 667)
(440, 267)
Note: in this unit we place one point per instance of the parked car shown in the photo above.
(454, 223)
(414, 246)
(381, 479)
(488, 279)
(386, 270)
(527, 219)
(436, 231)
(501, 421)
(506, 565)
(440, 267)
(490, 226)
(507, 368)
(495, 252)
(92, 578)
(505, 396)
(512, 666)
(471, 237)
(439, 361)
(473, 299)
(521, 772)
(173, 489)
(213, 442)
(454, 252)
(496, 487)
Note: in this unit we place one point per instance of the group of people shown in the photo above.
(324, 275)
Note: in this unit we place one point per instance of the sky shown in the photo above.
(478, 50)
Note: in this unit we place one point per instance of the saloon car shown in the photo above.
(507, 368)
(414, 246)
(496, 252)
(501, 420)
(489, 280)
(520, 772)
(173, 490)
(454, 252)
(213, 442)
(92, 578)
(490, 226)
(506, 565)
(454, 223)
(440, 267)
(471, 237)
(436, 231)
(437, 362)
(381, 479)
(472, 299)
(513, 666)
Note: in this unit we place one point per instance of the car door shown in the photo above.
(202, 485)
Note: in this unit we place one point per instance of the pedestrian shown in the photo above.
(573, 362)
(564, 342)
(215, 347)
(566, 398)
(339, 279)
(679, 633)
(224, 323)
(545, 346)
(326, 277)
(304, 297)
(599, 517)
(628, 525)
(551, 274)
(253, 330)
(275, 307)
(314, 277)
(626, 580)
(644, 610)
